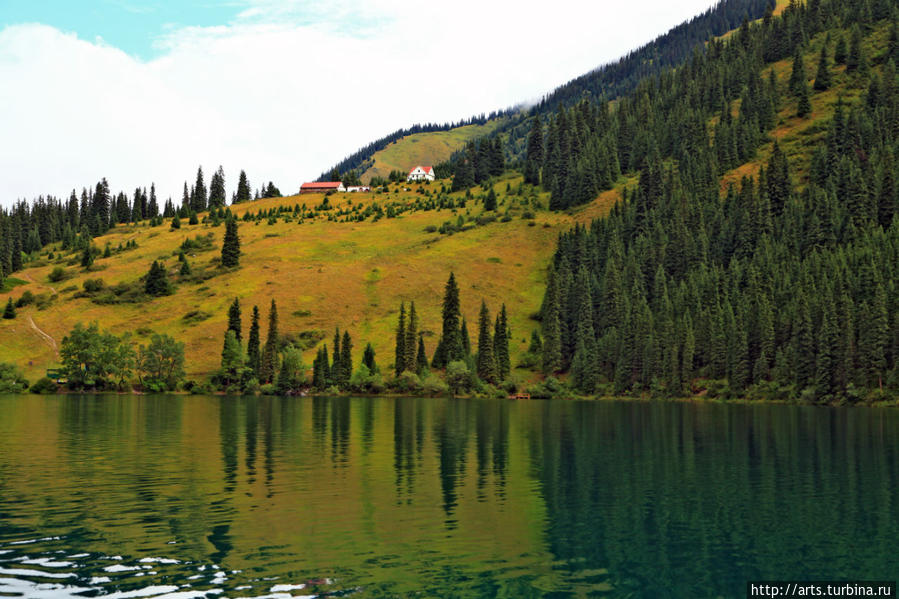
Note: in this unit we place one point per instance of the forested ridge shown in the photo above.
(785, 285)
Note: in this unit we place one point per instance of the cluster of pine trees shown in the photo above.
(775, 287)
(27, 228)
(478, 162)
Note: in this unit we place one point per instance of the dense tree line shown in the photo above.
(478, 162)
(26, 228)
(773, 288)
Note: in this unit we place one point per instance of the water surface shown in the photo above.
(189, 497)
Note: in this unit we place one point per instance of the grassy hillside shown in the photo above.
(322, 273)
(424, 148)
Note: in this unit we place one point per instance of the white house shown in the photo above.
(421, 173)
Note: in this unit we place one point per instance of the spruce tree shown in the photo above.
(823, 78)
(232, 358)
(840, 52)
(157, 281)
(253, 354)
(486, 365)
(449, 348)
(501, 336)
(421, 362)
(534, 158)
(410, 345)
(490, 200)
(400, 353)
(346, 359)
(198, 198)
(797, 76)
(231, 244)
(10, 311)
(465, 338)
(368, 358)
(217, 194)
(336, 364)
(803, 104)
(269, 360)
(234, 318)
(243, 189)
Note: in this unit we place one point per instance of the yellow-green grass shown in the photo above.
(425, 149)
(352, 275)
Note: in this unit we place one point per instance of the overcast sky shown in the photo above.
(142, 91)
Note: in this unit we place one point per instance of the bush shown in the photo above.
(44, 386)
(251, 387)
(434, 386)
(93, 285)
(58, 274)
(11, 379)
(26, 299)
(407, 382)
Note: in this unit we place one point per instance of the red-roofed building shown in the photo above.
(323, 187)
(421, 173)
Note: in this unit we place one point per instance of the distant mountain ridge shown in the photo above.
(605, 82)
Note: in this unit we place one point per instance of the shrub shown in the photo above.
(93, 285)
(58, 274)
(44, 386)
(26, 299)
(11, 379)
(434, 386)
(407, 382)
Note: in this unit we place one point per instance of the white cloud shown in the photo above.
(287, 89)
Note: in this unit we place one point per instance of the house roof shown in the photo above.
(322, 185)
(427, 169)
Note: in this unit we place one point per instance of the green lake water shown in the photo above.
(190, 497)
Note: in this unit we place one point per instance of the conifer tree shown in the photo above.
(321, 371)
(797, 76)
(253, 354)
(346, 359)
(243, 189)
(269, 360)
(400, 353)
(465, 338)
(217, 192)
(198, 199)
(840, 52)
(490, 200)
(231, 244)
(804, 104)
(10, 311)
(534, 158)
(234, 318)
(410, 345)
(336, 364)
(450, 348)
(823, 78)
(157, 281)
(368, 358)
(552, 334)
(501, 336)
(486, 365)
(421, 362)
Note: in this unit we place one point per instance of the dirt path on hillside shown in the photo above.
(43, 335)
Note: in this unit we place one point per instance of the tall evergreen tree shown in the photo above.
(231, 244)
(421, 362)
(449, 348)
(198, 199)
(269, 360)
(217, 194)
(410, 345)
(501, 336)
(823, 78)
(253, 353)
(368, 359)
(400, 353)
(243, 189)
(157, 281)
(346, 359)
(234, 318)
(534, 158)
(486, 366)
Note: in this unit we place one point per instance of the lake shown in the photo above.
(189, 497)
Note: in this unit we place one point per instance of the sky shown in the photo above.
(145, 91)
